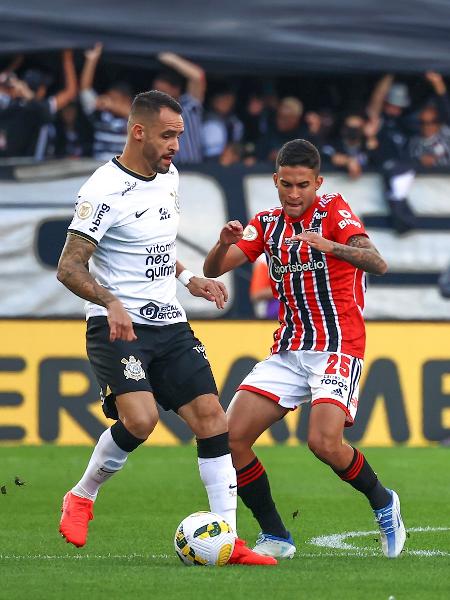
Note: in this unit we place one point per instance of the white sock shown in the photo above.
(219, 478)
(106, 460)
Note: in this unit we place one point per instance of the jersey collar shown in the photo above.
(132, 173)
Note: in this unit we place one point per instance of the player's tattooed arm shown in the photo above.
(73, 272)
(360, 252)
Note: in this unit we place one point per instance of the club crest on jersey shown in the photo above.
(250, 233)
(84, 210)
(133, 369)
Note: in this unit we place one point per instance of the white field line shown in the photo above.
(337, 541)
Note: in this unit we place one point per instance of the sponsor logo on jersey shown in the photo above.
(130, 186)
(338, 392)
(140, 213)
(133, 368)
(160, 261)
(269, 218)
(200, 349)
(335, 380)
(288, 241)
(326, 199)
(250, 233)
(166, 312)
(318, 214)
(84, 210)
(165, 214)
(100, 212)
(278, 270)
(347, 220)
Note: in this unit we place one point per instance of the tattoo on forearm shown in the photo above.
(74, 274)
(361, 253)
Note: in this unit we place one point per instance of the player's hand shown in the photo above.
(120, 324)
(231, 233)
(314, 240)
(214, 291)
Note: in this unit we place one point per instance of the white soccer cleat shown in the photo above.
(392, 529)
(272, 545)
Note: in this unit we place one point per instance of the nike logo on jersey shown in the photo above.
(232, 487)
(139, 214)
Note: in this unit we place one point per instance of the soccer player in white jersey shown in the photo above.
(139, 343)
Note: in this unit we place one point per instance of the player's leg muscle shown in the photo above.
(204, 415)
(249, 415)
(138, 413)
(326, 425)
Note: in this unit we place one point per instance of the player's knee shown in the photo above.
(142, 424)
(238, 442)
(323, 446)
(210, 419)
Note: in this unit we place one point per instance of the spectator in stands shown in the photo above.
(27, 114)
(108, 112)
(222, 127)
(431, 148)
(288, 125)
(386, 111)
(257, 117)
(191, 101)
(353, 148)
(72, 133)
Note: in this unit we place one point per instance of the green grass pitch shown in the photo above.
(130, 553)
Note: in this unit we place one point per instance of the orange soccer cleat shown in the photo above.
(244, 556)
(76, 514)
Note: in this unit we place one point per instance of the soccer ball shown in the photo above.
(205, 539)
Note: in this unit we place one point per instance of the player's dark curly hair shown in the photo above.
(299, 153)
(152, 102)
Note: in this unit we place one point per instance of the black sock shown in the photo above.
(254, 490)
(360, 475)
(123, 438)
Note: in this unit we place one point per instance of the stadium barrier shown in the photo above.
(49, 395)
(37, 203)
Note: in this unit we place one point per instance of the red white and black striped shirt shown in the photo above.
(321, 296)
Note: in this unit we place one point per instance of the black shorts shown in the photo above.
(167, 360)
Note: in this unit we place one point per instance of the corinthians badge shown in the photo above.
(133, 368)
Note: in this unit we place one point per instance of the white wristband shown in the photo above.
(185, 276)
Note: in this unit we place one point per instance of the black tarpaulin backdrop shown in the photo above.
(245, 36)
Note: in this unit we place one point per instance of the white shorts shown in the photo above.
(293, 377)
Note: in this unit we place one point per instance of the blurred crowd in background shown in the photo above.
(73, 108)
(76, 104)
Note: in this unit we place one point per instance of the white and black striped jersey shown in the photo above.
(133, 221)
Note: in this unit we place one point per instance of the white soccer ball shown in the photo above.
(205, 539)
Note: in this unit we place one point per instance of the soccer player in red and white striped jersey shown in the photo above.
(317, 252)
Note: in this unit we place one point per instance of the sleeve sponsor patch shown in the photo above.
(250, 233)
(84, 210)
